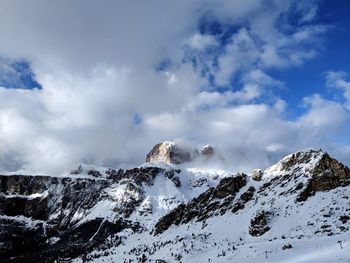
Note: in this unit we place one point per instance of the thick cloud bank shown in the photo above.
(118, 77)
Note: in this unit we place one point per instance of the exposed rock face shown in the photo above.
(327, 174)
(38, 198)
(321, 173)
(257, 175)
(207, 151)
(244, 198)
(169, 152)
(37, 209)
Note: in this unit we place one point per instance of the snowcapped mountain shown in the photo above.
(298, 210)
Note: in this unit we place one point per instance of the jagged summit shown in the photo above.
(175, 153)
(312, 163)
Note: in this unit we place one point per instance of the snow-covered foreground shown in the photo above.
(314, 250)
(311, 250)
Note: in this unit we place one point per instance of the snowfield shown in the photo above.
(315, 250)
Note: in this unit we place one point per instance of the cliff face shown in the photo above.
(39, 197)
(173, 153)
(36, 208)
(169, 152)
(45, 218)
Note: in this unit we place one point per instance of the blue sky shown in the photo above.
(309, 78)
(18, 75)
(90, 83)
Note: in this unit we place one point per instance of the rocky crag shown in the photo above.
(173, 153)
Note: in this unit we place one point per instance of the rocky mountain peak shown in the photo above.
(174, 153)
(169, 152)
(298, 162)
(312, 163)
(308, 172)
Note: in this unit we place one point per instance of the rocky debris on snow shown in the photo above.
(344, 219)
(199, 182)
(287, 246)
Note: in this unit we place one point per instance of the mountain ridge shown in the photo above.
(146, 213)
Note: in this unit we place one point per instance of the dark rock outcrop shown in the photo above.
(259, 224)
(243, 199)
(257, 175)
(214, 201)
(305, 173)
(27, 204)
(287, 246)
(38, 198)
(171, 175)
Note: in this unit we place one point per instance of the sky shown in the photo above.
(102, 83)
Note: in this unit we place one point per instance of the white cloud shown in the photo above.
(275, 147)
(97, 66)
(255, 135)
(201, 42)
(241, 54)
(322, 114)
(337, 79)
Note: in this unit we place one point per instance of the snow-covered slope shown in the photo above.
(300, 206)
